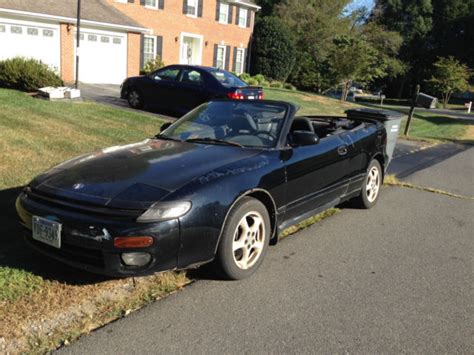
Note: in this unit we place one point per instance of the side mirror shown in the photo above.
(302, 138)
(164, 126)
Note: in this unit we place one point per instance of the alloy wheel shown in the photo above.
(373, 184)
(249, 240)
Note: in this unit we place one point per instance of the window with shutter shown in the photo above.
(220, 57)
(149, 49)
(243, 13)
(239, 60)
(153, 4)
(192, 8)
(223, 12)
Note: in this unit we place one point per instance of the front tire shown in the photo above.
(370, 186)
(244, 241)
(135, 98)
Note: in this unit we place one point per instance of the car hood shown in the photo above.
(135, 176)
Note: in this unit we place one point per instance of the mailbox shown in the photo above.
(426, 101)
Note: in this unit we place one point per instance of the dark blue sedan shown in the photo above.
(180, 88)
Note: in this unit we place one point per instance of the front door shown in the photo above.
(316, 175)
(190, 51)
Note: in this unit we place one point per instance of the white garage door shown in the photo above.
(103, 57)
(31, 40)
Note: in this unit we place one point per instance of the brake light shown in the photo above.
(235, 95)
(133, 242)
(261, 96)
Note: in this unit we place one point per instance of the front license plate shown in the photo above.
(46, 231)
(251, 97)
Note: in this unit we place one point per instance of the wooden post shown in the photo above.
(412, 110)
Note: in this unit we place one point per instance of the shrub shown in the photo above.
(272, 49)
(152, 65)
(245, 76)
(27, 74)
(276, 84)
(289, 86)
(260, 78)
(252, 82)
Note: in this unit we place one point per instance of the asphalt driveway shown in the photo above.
(397, 278)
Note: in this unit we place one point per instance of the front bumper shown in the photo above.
(87, 238)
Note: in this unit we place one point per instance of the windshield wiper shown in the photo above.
(213, 140)
(167, 138)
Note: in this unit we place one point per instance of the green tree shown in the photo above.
(268, 7)
(413, 20)
(449, 76)
(453, 30)
(314, 25)
(273, 52)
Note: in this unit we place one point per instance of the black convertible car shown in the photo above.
(217, 185)
(180, 88)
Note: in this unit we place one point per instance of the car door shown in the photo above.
(159, 89)
(316, 175)
(190, 90)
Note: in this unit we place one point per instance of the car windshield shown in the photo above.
(246, 124)
(227, 79)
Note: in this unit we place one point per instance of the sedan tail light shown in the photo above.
(261, 96)
(236, 95)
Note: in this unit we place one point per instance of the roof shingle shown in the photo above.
(92, 10)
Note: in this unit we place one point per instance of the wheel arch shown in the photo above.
(381, 159)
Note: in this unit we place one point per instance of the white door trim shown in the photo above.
(192, 35)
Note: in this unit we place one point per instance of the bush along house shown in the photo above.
(198, 32)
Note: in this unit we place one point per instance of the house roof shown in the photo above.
(91, 10)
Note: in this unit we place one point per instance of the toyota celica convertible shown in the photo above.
(218, 185)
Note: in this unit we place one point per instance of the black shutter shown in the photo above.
(227, 57)
(185, 7)
(142, 2)
(249, 17)
(231, 11)
(142, 48)
(159, 47)
(161, 4)
(237, 14)
(218, 6)
(214, 62)
(200, 8)
(234, 66)
(245, 59)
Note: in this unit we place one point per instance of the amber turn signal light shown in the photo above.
(133, 242)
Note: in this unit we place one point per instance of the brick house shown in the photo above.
(45, 30)
(202, 32)
(119, 36)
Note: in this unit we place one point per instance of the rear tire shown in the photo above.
(370, 186)
(135, 98)
(244, 241)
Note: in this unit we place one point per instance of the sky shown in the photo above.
(358, 3)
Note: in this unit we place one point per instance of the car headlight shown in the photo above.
(162, 211)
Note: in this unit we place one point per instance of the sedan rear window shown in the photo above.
(227, 79)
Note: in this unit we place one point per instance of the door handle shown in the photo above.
(342, 150)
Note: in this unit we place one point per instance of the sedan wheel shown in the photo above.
(244, 239)
(135, 99)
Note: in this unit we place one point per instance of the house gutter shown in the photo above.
(34, 15)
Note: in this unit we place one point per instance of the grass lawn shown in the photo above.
(37, 134)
